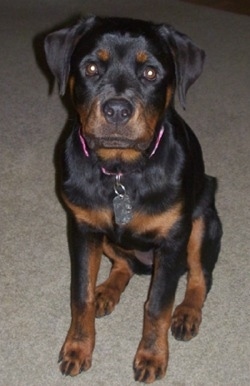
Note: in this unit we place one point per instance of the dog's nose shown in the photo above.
(117, 111)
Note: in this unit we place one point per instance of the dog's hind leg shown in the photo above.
(203, 250)
(107, 294)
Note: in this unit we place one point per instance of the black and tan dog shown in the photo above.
(133, 182)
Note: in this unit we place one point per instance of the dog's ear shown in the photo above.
(188, 59)
(59, 46)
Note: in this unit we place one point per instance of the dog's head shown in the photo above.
(122, 75)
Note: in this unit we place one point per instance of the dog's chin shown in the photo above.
(119, 154)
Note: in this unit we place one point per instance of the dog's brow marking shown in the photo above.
(141, 57)
(103, 55)
(160, 223)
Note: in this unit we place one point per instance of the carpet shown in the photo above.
(35, 267)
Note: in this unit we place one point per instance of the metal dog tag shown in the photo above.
(121, 203)
(122, 209)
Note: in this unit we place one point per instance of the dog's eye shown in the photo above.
(150, 73)
(91, 69)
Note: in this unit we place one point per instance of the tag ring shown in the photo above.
(118, 187)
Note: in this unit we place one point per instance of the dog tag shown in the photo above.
(122, 209)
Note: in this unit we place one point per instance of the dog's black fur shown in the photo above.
(128, 139)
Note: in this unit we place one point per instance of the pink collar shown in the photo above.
(157, 141)
(84, 146)
(86, 152)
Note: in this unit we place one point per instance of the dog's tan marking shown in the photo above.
(108, 293)
(90, 116)
(160, 224)
(100, 218)
(71, 85)
(76, 353)
(152, 355)
(141, 57)
(187, 316)
(196, 287)
(124, 155)
(169, 95)
(103, 54)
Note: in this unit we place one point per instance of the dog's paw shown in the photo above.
(185, 322)
(149, 366)
(106, 299)
(74, 357)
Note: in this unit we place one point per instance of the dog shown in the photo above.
(133, 182)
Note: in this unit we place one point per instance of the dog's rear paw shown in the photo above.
(185, 322)
(75, 357)
(106, 299)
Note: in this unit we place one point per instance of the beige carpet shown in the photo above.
(34, 276)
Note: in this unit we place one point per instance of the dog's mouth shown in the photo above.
(116, 142)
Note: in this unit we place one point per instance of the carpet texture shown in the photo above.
(35, 267)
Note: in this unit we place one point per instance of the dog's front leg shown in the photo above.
(86, 250)
(151, 358)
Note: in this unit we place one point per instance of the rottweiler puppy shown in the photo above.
(133, 182)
